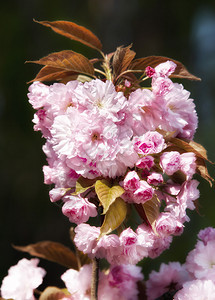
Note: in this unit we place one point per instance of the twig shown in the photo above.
(95, 279)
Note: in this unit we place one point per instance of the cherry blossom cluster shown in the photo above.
(95, 130)
(119, 282)
(195, 279)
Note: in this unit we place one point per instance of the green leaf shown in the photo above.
(106, 194)
(53, 293)
(83, 184)
(51, 251)
(114, 216)
(74, 32)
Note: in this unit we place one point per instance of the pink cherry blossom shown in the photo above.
(86, 238)
(170, 162)
(188, 164)
(161, 86)
(149, 71)
(183, 198)
(22, 279)
(206, 235)
(155, 179)
(165, 69)
(170, 277)
(142, 111)
(57, 193)
(109, 247)
(200, 261)
(145, 162)
(131, 181)
(189, 193)
(92, 145)
(180, 112)
(167, 224)
(196, 289)
(57, 171)
(38, 93)
(144, 193)
(150, 243)
(101, 99)
(78, 283)
(161, 243)
(132, 250)
(78, 209)
(125, 278)
(150, 142)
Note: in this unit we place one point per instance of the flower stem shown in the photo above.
(95, 279)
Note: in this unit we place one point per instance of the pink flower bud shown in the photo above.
(188, 164)
(170, 162)
(149, 71)
(145, 162)
(144, 193)
(78, 209)
(148, 143)
(155, 178)
(165, 69)
(131, 181)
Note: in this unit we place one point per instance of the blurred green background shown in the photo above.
(183, 30)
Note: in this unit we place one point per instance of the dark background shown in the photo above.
(183, 30)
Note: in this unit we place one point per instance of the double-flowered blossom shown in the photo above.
(121, 162)
(120, 282)
(22, 280)
(194, 279)
(95, 132)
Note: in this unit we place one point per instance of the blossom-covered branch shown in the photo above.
(118, 137)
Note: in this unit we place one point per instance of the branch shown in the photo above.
(95, 279)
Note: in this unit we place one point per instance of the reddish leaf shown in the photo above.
(52, 293)
(67, 60)
(198, 148)
(149, 211)
(201, 156)
(74, 32)
(153, 61)
(203, 171)
(122, 59)
(140, 210)
(152, 210)
(190, 146)
(48, 73)
(52, 251)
